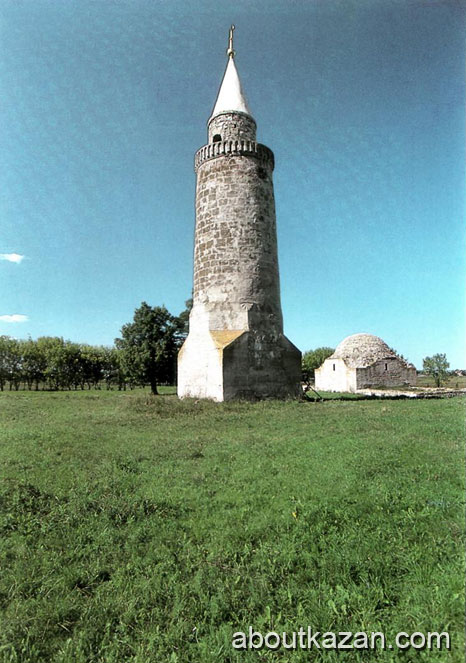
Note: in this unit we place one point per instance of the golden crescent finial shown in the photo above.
(230, 50)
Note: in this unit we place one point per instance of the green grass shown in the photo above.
(147, 529)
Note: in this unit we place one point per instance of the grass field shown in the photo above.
(145, 529)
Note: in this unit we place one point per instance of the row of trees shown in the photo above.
(52, 363)
(145, 354)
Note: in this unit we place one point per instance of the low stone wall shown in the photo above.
(418, 393)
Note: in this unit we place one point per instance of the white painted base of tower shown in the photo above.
(226, 365)
(200, 368)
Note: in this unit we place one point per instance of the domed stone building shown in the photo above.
(362, 361)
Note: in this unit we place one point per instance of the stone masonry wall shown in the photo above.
(232, 126)
(235, 257)
(389, 372)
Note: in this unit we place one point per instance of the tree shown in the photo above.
(312, 359)
(64, 362)
(34, 363)
(92, 360)
(112, 372)
(149, 346)
(437, 366)
(52, 348)
(5, 342)
(183, 321)
(11, 362)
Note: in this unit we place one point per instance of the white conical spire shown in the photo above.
(231, 96)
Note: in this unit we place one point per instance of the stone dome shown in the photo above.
(361, 350)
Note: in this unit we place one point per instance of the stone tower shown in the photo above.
(236, 347)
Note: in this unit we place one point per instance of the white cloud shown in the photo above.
(12, 257)
(16, 317)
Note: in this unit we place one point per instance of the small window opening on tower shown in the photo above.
(333, 366)
(386, 367)
(217, 138)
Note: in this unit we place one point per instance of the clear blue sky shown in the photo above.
(104, 103)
